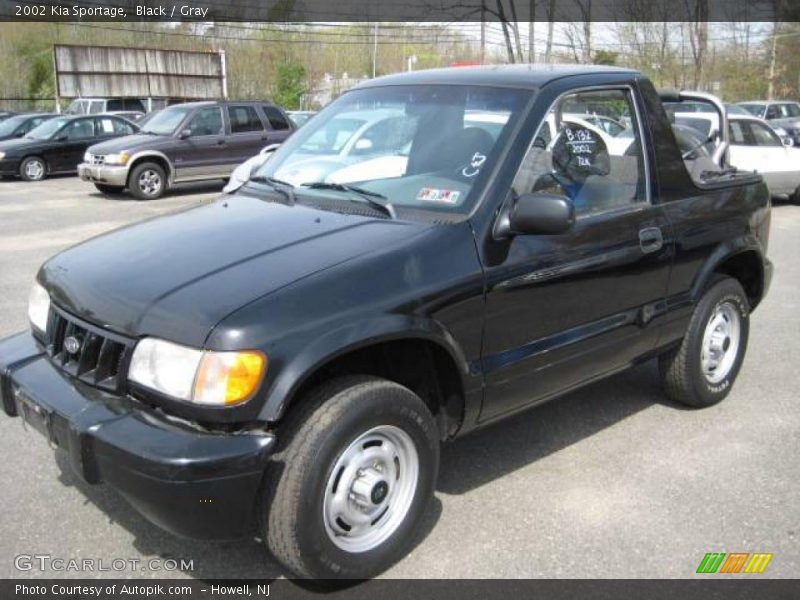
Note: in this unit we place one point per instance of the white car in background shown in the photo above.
(754, 146)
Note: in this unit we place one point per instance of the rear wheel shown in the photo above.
(147, 181)
(108, 189)
(33, 168)
(701, 371)
(359, 467)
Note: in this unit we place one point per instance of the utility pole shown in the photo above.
(772, 57)
(375, 52)
(531, 32)
(483, 31)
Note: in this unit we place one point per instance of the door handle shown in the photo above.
(220, 142)
(650, 239)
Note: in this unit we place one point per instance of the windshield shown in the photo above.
(423, 147)
(8, 126)
(46, 130)
(165, 122)
(755, 109)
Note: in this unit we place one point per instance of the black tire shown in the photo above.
(139, 189)
(33, 168)
(314, 437)
(108, 189)
(682, 373)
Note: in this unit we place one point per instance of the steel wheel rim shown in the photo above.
(34, 169)
(149, 182)
(721, 341)
(370, 489)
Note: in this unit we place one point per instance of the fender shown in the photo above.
(347, 338)
(154, 154)
(723, 252)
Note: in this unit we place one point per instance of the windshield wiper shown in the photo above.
(372, 198)
(284, 187)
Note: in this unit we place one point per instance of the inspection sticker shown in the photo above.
(436, 195)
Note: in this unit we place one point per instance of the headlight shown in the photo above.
(38, 307)
(87, 157)
(121, 158)
(2, 155)
(198, 376)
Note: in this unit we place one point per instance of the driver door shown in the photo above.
(564, 309)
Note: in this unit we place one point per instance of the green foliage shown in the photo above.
(605, 57)
(290, 85)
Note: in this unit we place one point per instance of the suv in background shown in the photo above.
(195, 141)
(780, 114)
(95, 106)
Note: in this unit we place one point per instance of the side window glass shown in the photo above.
(96, 107)
(80, 130)
(105, 127)
(737, 133)
(772, 112)
(276, 119)
(244, 119)
(597, 171)
(207, 121)
(762, 136)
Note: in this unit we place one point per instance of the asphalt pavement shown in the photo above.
(612, 481)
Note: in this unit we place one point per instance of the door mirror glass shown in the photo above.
(541, 213)
(185, 133)
(363, 144)
(62, 137)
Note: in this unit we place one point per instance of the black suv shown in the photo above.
(186, 142)
(431, 253)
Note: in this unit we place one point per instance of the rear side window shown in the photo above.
(244, 119)
(762, 136)
(597, 171)
(737, 133)
(276, 119)
(108, 126)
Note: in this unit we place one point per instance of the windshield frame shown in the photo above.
(474, 197)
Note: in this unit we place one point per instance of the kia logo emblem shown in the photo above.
(72, 344)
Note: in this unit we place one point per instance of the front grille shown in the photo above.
(98, 159)
(89, 353)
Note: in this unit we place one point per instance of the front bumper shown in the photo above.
(192, 483)
(9, 166)
(108, 174)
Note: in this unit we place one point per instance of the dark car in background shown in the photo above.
(57, 145)
(4, 114)
(782, 115)
(19, 125)
(196, 141)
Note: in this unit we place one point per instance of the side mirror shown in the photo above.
(62, 138)
(541, 213)
(19, 134)
(787, 141)
(363, 144)
(185, 133)
(268, 150)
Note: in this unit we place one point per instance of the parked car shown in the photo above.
(195, 141)
(300, 117)
(131, 115)
(18, 125)
(91, 106)
(286, 361)
(783, 114)
(754, 146)
(57, 145)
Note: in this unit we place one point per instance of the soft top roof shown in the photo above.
(520, 76)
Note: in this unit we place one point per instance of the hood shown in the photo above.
(16, 145)
(131, 143)
(176, 277)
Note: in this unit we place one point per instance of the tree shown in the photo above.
(605, 57)
(290, 84)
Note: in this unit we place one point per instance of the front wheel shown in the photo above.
(701, 371)
(351, 483)
(147, 181)
(33, 168)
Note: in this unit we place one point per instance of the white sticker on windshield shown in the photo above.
(427, 194)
